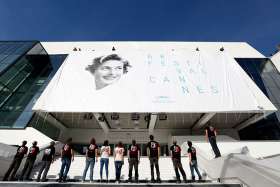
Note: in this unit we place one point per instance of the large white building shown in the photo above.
(127, 90)
(188, 83)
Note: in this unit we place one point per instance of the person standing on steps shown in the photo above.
(153, 152)
(21, 151)
(67, 156)
(210, 135)
(47, 160)
(105, 152)
(176, 159)
(118, 157)
(133, 160)
(30, 160)
(193, 161)
(91, 157)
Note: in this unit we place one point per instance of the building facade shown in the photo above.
(28, 67)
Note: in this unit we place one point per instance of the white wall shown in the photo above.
(236, 49)
(16, 136)
(161, 135)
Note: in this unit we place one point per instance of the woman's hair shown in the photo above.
(100, 60)
(24, 142)
(106, 143)
(69, 141)
(34, 143)
(189, 143)
(120, 144)
(92, 141)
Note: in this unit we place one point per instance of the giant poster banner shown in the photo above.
(152, 81)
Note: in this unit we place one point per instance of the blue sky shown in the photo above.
(254, 21)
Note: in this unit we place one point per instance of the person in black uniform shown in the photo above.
(47, 159)
(153, 152)
(133, 160)
(176, 159)
(67, 156)
(210, 135)
(30, 160)
(21, 151)
(193, 161)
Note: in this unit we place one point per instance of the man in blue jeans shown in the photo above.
(193, 161)
(91, 155)
(67, 155)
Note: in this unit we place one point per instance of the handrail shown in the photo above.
(6, 160)
(241, 167)
(7, 151)
(12, 154)
(266, 157)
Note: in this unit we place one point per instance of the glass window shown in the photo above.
(265, 75)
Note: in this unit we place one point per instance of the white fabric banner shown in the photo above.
(152, 81)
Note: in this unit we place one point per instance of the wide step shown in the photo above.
(76, 184)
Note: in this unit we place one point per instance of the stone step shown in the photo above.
(79, 184)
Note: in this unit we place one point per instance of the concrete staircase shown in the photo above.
(78, 184)
(77, 167)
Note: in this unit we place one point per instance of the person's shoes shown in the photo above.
(44, 180)
(153, 181)
(14, 179)
(59, 180)
(158, 180)
(136, 181)
(200, 178)
(38, 180)
(193, 178)
(64, 179)
(129, 181)
(178, 181)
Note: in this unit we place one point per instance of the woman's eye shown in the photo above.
(119, 67)
(106, 68)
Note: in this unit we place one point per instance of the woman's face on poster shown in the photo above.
(108, 72)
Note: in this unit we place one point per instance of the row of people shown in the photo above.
(92, 153)
(22, 150)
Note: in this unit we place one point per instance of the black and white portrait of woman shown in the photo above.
(108, 69)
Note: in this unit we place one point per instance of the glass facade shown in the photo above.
(40, 122)
(25, 69)
(263, 72)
